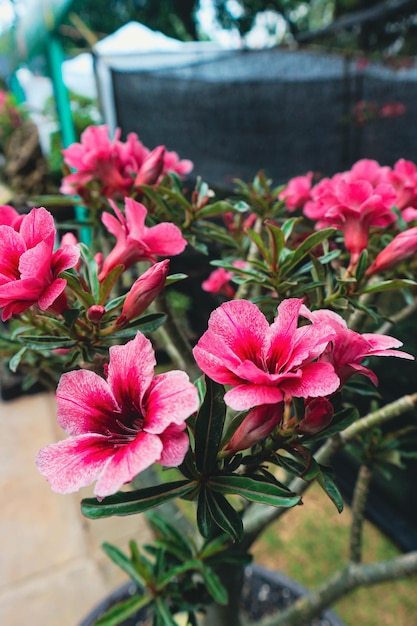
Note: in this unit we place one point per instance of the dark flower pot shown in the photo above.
(264, 592)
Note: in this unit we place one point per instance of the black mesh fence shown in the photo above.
(286, 112)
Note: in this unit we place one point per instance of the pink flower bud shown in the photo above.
(257, 425)
(151, 168)
(95, 313)
(144, 291)
(318, 414)
(401, 247)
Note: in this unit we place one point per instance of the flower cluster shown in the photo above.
(297, 317)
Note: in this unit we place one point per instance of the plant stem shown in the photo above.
(360, 496)
(253, 255)
(399, 317)
(230, 614)
(340, 584)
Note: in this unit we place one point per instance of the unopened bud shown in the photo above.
(95, 313)
(257, 425)
(318, 414)
(152, 167)
(143, 291)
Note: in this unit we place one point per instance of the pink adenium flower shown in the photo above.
(264, 363)
(401, 247)
(347, 349)
(403, 177)
(218, 282)
(117, 167)
(29, 266)
(354, 208)
(135, 241)
(119, 426)
(297, 192)
(10, 217)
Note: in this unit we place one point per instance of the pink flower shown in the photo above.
(347, 349)
(392, 109)
(403, 177)
(29, 267)
(172, 163)
(120, 426)
(218, 282)
(297, 192)
(95, 158)
(135, 241)
(257, 425)
(401, 247)
(10, 217)
(353, 207)
(263, 363)
(143, 291)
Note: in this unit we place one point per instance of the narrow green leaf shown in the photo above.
(209, 427)
(163, 613)
(107, 285)
(214, 586)
(174, 278)
(123, 610)
(305, 248)
(204, 519)
(224, 515)
(388, 285)
(326, 482)
(16, 359)
(130, 502)
(362, 265)
(277, 241)
(288, 226)
(121, 560)
(45, 342)
(170, 533)
(146, 324)
(260, 491)
(92, 271)
(257, 240)
(217, 208)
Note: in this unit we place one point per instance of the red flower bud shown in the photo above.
(257, 425)
(95, 313)
(317, 415)
(401, 247)
(151, 168)
(144, 291)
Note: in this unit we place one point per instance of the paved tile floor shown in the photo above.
(52, 569)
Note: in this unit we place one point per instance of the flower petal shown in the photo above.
(245, 397)
(171, 398)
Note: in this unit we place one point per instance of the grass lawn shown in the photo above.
(310, 542)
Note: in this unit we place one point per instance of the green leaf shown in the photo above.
(170, 533)
(174, 278)
(257, 240)
(121, 560)
(146, 324)
(107, 285)
(214, 586)
(217, 208)
(163, 614)
(255, 490)
(305, 248)
(16, 359)
(45, 342)
(204, 519)
(92, 271)
(326, 482)
(362, 265)
(123, 610)
(224, 515)
(288, 226)
(277, 241)
(209, 427)
(388, 285)
(130, 502)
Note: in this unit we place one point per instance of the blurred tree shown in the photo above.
(367, 25)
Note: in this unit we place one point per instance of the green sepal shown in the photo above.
(131, 502)
(255, 490)
(209, 428)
